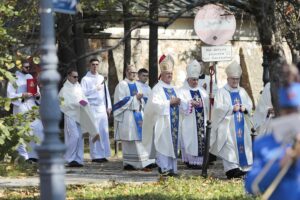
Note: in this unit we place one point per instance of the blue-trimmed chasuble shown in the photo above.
(174, 117)
(239, 129)
(199, 114)
(138, 118)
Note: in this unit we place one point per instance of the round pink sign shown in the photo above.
(214, 25)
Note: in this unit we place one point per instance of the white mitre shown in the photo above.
(166, 63)
(234, 70)
(193, 69)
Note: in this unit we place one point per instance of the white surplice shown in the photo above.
(188, 131)
(133, 150)
(260, 118)
(22, 106)
(99, 103)
(223, 136)
(146, 90)
(78, 119)
(157, 127)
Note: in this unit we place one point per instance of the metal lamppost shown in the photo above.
(51, 162)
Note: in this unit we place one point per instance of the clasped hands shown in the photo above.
(239, 107)
(175, 101)
(139, 96)
(197, 104)
(27, 95)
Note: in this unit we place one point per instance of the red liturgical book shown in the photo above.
(32, 86)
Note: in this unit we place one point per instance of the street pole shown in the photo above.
(51, 162)
(212, 71)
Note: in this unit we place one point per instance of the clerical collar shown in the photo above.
(129, 81)
(230, 89)
(21, 73)
(165, 84)
(194, 89)
(91, 75)
(141, 82)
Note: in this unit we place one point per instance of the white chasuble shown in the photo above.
(231, 131)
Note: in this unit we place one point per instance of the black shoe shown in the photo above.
(151, 166)
(166, 173)
(159, 170)
(29, 161)
(104, 159)
(172, 174)
(235, 173)
(35, 160)
(128, 167)
(98, 160)
(74, 164)
(194, 166)
(240, 174)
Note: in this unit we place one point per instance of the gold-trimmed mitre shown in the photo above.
(166, 63)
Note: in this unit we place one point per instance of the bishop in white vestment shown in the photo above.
(161, 123)
(78, 119)
(96, 91)
(231, 127)
(25, 103)
(128, 120)
(194, 107)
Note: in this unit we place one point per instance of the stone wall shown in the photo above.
(180, 41)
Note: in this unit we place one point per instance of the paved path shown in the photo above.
(107, 172)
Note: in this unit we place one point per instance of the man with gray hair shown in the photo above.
(194, 113)
(231, 127)
(128, 120)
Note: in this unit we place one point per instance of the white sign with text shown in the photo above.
(216, 53)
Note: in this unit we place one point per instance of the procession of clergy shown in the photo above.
(152, 125)
(155, 125)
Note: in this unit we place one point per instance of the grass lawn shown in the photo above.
(171, 188)
(17, 170)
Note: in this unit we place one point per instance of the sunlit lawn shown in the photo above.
(171, 188)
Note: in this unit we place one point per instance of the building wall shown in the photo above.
(181, 41)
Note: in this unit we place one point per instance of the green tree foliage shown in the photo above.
(18, 20)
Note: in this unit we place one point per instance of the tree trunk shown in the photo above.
(153, 44)
(66, 48)
(127, 42)
(3, 88)
(81, 47)
(272, 52)
(112, 74)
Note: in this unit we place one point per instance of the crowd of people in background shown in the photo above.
(156, 126)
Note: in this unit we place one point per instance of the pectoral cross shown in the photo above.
(196, 97)
(236, 101)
